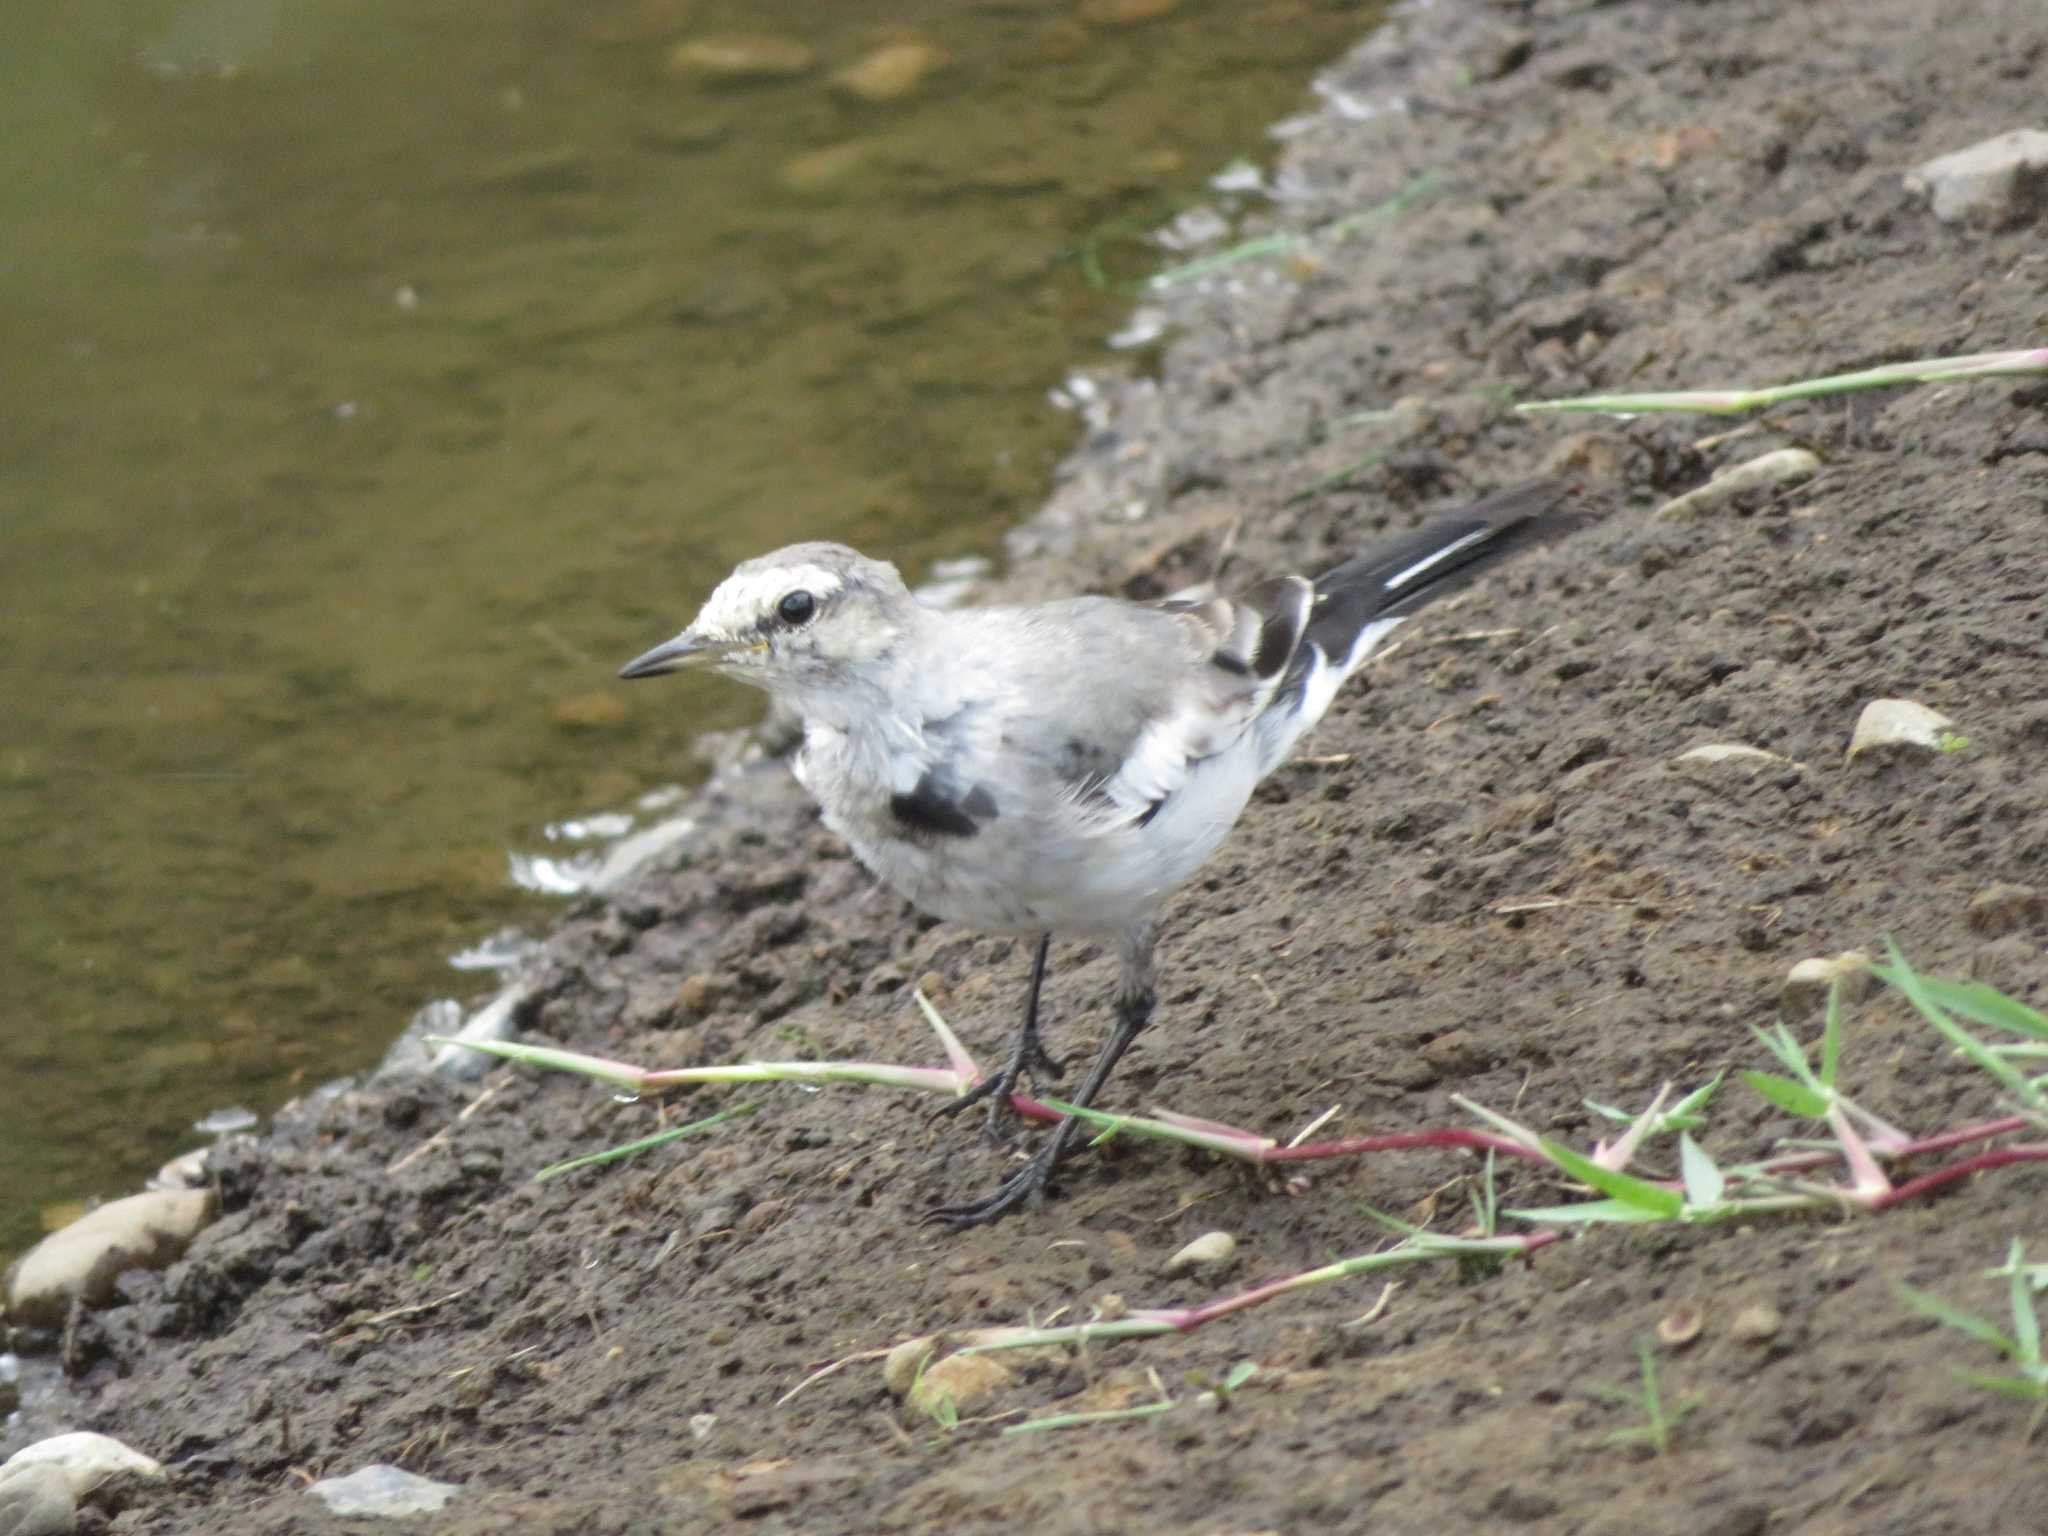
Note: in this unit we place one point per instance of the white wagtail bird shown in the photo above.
(1061, 768)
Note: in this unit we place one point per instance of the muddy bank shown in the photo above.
(1487, 879)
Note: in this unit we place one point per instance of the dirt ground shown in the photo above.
(1651, 194)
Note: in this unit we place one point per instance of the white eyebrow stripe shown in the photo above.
(1402, 578)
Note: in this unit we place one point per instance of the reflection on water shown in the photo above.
(381, 373)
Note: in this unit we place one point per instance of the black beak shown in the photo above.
(669, 656)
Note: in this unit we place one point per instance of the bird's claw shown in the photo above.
(1020, 1188)
(1041, 1063)
(1031, 1059)
(1000, 1084)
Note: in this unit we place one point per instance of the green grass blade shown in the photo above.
(2026, 1326)
(1653, 1199)
(1686, 1115)
(1729, 401)
(619, 1074)
(633, 1148)
(2011, 1386)
(1793, 1098)
(1099, 1416)
(1230, 256)
(1910, 982)
(1587, 1211)
(1636, 1434)
(1955, 1317)
(1704, 1182)
(1831, 1035)
(1779, 1042)
(1975, 1001)
(1393, 1224)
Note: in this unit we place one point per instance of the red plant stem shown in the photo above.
(1962, 1168)
(1031, 1109)
(1400, 1141)
(1484, 1141)
(1968, 1134)
(1797, 1162)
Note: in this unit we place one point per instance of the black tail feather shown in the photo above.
(1443, 555)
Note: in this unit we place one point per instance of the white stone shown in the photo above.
(145, 1231)
(1735, 754)
(87, 1461)
(1894, 723)
(35, 1500)
(383, 1490)
(1786, 466)
(1212, 1250)
(1807, 983)
(2001, 181)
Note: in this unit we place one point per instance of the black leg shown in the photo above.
(1028, 1056)
(1134, 1004)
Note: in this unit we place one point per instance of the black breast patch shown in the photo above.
(933, 810)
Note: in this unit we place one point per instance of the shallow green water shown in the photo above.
(379, 374)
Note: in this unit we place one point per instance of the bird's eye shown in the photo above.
(796, 608)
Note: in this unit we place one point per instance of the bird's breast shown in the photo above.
(1039, 864)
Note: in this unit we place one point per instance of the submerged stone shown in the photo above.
(740, 57)
(890, 73)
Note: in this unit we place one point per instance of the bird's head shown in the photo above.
(806, 616)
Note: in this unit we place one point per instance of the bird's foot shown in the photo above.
(1030, 1059)
(1019, 1189)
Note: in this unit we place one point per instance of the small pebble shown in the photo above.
(1456, 1053)
(1753, 760)
(1897, 724)
(1680, 1326)
(819, 170)
(2004, 907)
(890, 73)
(1755, 1323)
(1787, 466)
(1212, 1250)
(1998, 182)
(698, 993)
(1806, 984)
(383, 1490)
(1598, 456)
(959, 1384)
(741, 57)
